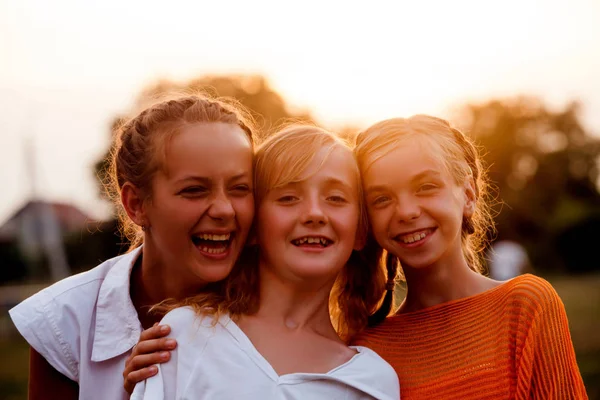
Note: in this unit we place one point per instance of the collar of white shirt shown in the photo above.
(118, 327)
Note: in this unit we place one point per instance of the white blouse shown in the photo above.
(85, 326)
(220, 362)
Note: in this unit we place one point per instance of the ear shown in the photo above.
(470, 198)
(133, 203)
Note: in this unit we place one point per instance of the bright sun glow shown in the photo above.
(69, 66)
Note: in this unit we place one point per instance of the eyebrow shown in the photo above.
(206, 180)
(419, 176)
(331, 181)
(425, 174)
(336, 182)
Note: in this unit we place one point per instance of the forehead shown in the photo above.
(403, 162)
(209, 149)
(330, 164)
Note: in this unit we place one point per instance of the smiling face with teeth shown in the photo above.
(415, 205)
(307, 228)
(201, 207)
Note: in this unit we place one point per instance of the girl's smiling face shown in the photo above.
(201, 207)
(415, 206)
(307, 228)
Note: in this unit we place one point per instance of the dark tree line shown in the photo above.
(543, 163)
(545, 166)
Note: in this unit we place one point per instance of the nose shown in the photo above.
(221, 208)
(313, 213)
(407, 209)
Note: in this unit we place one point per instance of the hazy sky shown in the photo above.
(67, 67)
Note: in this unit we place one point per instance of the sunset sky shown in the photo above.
(67, 67)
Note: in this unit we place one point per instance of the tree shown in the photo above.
(545, 166)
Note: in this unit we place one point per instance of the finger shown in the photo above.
(147, 360)
(154, 345)
(137, 376)
(155, 332)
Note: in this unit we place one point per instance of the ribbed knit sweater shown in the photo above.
(510, 342)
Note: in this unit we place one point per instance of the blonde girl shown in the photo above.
(457, 334)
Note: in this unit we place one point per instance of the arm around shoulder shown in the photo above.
(173, 374)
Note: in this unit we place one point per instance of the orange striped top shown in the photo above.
(510, 342)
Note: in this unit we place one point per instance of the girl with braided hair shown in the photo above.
(181, 176)
(457, 334)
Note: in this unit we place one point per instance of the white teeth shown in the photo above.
(210, 236)
(212, 251)
(309, 239)
(413, 237)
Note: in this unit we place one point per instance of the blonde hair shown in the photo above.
(281, 159)
(140, 143)
(456, 152)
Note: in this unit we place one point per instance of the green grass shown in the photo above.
(581, 296)
(14, 368)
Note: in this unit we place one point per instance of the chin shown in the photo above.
(315, 272)
(214, 273)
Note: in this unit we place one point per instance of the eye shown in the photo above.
(194, 191)
(380, 200)
(287, 199)
(337, 199)
(427, 187)
(241, 189)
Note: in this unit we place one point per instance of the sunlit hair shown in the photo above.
(456, 152)
(141, 143)
(282, 159)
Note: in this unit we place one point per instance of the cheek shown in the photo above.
(188, 209)
(378, 220)
(244, 210)
(351, 219)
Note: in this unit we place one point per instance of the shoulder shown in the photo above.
(55, 320)
(178, 317)
(186, 322)
(378, 337)
(370, 357)
(372, 364)
(373, 374)
(78, 291)
(532, 292)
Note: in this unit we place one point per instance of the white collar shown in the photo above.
(118, 327)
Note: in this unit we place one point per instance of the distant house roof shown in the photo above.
(69, 217)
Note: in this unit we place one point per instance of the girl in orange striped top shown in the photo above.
(457, 334)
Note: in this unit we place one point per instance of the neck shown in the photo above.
(295, 305)
(441, 282)
(151, 282)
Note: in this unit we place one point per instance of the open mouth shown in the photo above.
(312, 241)
(213, 243)
(413, 237)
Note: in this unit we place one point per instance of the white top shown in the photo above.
(85, 326)
(220, 362)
